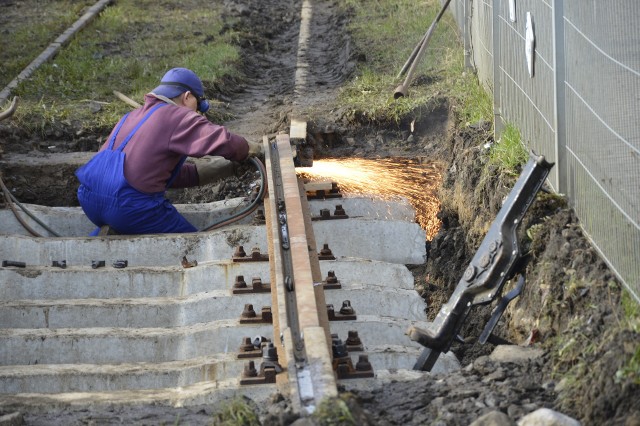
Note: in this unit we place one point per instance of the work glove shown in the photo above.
(256, 149)
(211, 169)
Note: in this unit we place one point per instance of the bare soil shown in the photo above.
(570, 306)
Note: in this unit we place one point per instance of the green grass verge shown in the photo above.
(24, 39)
(127, 48)
(509, 153)
(385, 33)
(333, 412)
(236, 412)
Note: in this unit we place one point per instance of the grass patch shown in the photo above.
(630, 307)
(237, 412)
(127, 48)
(631, 370)
(385, 33)
(333, 412)
(509, 153)
(24, 39)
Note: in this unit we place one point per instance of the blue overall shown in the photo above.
(107, 198)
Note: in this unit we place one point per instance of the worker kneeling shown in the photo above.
(124, 184)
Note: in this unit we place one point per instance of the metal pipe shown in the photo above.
(413, 55)
(251, 207)
(401, 90)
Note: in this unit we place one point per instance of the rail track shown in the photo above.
(175, 319)
(309, 298)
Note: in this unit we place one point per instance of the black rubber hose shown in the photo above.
(8, 196)
(251, 207)
(233, 218)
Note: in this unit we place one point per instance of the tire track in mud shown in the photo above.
(286, 72)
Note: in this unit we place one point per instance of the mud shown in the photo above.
(570, 306)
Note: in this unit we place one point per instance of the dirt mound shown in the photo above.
(570, 308)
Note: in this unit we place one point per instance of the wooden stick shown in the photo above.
(126, 99)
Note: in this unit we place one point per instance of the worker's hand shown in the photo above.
(211, 169)
(256, 149)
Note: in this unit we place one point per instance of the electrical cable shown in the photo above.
(252, 206)
(8, 198)
(34, 217)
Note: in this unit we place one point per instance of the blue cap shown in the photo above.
(179, 80)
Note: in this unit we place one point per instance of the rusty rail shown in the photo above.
(299, 309)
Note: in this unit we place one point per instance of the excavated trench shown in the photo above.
(101, 318)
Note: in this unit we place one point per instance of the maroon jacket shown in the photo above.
(169, 134)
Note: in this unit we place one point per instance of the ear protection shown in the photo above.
(203, 105)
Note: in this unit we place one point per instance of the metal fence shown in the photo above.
(577, 102)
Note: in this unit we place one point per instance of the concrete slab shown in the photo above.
(72, 222)
(80, 282)
(353, 271)
(367, 207)
(120, 345)
(129, 313)
(61, 378)
(155, 332)
(201, 393)
(142, 250)
(376, 330)
(188, 310)
(372, 299)
(389, 241)
(384, 240)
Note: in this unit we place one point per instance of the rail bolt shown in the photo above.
(325, 213)
(246, 345)
(339, 349)
(6, 263)
(266, 314)
(255, 253)
(239, 252)
(256, 283)
(363, 363)
(469, 273)
(331, 278)
(346, 308)
(270, 353)
(353, 339)
(258, 340)
(250, 370)
(339, 211)
(248, 311)
(119, 264)
(95, 264)
(240, 282)
(326, 251)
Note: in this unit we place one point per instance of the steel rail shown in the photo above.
(299, 310)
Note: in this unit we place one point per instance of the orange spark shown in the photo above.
(386, 178)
